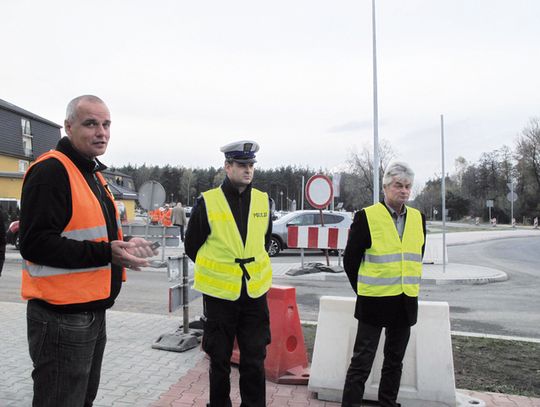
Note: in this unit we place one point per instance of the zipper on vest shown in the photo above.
(241, 223)
(102, 203)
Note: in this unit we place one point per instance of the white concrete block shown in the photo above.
(428, 372)
(433, 252)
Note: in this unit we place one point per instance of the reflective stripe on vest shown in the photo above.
(389, 258)
(222, 259)
(36, 270)
(97, 233)
(391, 265)
(62, 286)
(388, 280)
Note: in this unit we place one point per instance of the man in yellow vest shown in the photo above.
(383, 261)
(227, 237)
(74, 258)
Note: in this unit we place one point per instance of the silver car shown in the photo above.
(304, 218)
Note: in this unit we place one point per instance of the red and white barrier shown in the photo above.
(317, 237)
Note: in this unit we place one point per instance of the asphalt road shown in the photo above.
(506, 308)
(511, 307)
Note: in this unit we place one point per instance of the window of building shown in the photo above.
(23, 165)
(26, 127)
(27, 137)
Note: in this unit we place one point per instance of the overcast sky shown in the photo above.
(182, 78)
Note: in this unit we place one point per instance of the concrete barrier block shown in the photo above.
(428, 371)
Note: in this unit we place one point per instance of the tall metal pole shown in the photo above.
(188, 187)
(302, 250)
(185, 293)
(511, 202)
(303, 192)
(443, 196)
(375, 112)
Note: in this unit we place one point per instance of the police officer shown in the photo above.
(383, 261)
(227, 237)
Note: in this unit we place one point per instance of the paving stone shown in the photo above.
(136, 375)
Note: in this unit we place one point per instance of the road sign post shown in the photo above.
(489, 204)
(319, 193)
(183, 339)
(512, 197)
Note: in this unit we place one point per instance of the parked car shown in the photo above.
(12, 234)
(304, 218)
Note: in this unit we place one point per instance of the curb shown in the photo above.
(501, 276)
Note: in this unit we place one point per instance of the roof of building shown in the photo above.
(115, 172)
(122, 192)
(11, 107)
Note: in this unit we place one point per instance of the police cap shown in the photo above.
(242, 151)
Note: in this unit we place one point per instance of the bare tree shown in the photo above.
(362, 166)
(528, 151)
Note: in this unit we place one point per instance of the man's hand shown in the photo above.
(142, 248)
(131, 254)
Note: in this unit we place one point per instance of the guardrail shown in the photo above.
(167, 236)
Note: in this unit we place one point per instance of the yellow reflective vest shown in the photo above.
(62, 286)
(391, 265)
(223, 257)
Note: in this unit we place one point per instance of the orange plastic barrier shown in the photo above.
(286, 357)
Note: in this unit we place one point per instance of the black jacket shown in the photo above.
(45, 212)
(2, 241)
(199, 228)
(379, 311)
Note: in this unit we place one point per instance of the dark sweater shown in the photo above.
(46, 210)
(379, 311)
(2, 241)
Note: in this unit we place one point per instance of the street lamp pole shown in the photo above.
(443, 195)
(189, 186)
(375, 112)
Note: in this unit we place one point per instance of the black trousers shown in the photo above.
(66, 351)
(248, 320)
(181, 231)
(365, 348)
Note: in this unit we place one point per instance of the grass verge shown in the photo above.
(484, 364)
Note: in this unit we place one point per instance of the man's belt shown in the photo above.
(242, 263)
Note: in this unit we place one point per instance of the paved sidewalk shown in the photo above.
(135, 375)
(192, 390)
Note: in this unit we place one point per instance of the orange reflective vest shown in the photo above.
(154, 216)
(166, 220)
(61, 286)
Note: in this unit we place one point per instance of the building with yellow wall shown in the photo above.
(24, 136)
(123, 189)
